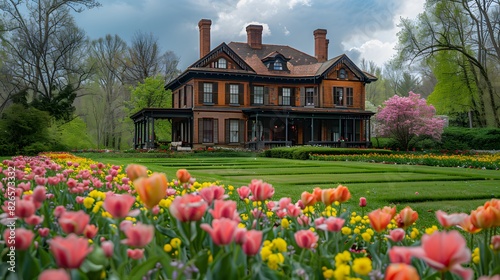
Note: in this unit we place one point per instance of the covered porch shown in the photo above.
(144, 127)
(268, 128)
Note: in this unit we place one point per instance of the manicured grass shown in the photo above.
(424, 188)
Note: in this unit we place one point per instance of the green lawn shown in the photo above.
(424, 188)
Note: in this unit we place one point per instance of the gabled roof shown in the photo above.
(296, 57)
(222, 48)
(327, 66)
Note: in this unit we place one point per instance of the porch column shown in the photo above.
(354, 130)
(146, 131)
(135, 135)
(286, 129)
(153, 132)
(312, 129)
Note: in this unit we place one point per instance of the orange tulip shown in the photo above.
(342, 194)
(136, 171)
(494, 206)
(69, 252)
(401, 271)
(308, 199)
(151, 189)
(318, 193)
(379, 219)
(467, 225)
(483, 217)
(328, 196)
(183, 175)
(390, 210)
(406, 217)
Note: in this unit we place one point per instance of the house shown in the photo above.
(256, 95)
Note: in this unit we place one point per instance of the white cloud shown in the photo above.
(375, 50)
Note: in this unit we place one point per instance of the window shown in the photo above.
(338, 96)
(309, 96)
(234, 94)
(207, 130)
(221, 63)
(278, 65)
(285, 97)
(258, 95)
(342, 74)
(349, 97)
(233, 131)
(207, 93)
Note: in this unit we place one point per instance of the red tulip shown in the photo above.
(379, 219)
(188, 207)
(222, 230)
(183, 175)
(449, 220)
(253, 240)
(399, 271)
(362, 202)
(139, 235)
(19, 238)
(74, 222)
(151, 189)
(118, 205)
(406, 217)
(69, 252)
(306, 239)
(136, 171)
(51, 274)
(261, 190)
(135, 254)
(446, 251)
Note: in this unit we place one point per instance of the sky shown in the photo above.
(359, 28)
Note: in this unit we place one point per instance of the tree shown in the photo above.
(406, 118)
(45, 51)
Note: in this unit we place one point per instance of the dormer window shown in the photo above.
(278, 65)
(222, 63)
(342, 74)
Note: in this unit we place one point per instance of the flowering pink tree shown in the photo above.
(406, 118)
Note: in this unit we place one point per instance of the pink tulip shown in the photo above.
(449, 220)
(108, 248)
(118, 205)
(24, 208)
(260, 190)
(495, 243)
(396, 235)
(446, 251)
(406, 217)
(306, 239)
(362, 202)
(43, 232)
(59, 210)
(51, 274)
(332, 224)
(39, 194)
(222, 230)
(33, 220)
(399, 254)
(225, 209)
(253, 240)
(188, 207)
(69, 252)
(135, 254)
(19, 238)
(139, 235)
(90, 231)
(243, 192)
(74, 222)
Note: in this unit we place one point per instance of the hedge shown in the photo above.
(303, 152)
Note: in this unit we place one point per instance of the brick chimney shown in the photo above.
(320, 45)
(254, 36)
(204, 26)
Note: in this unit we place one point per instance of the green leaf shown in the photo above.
(166, 231)
(142, 269)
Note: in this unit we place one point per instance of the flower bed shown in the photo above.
(66, 216)
(482, 161)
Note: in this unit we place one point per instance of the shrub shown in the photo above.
(459, 138)
(304, 152)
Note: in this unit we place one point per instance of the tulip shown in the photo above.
(406, 217)
(135, 254)
(467, 225)
(74, 222)
(379, 219)
(396, 235)
(183, 175)
(212, 193)
(362, 202)
(69, 252)
(118, 205)
(495, 243)
(317, 192)
(306, 239)
(19, 238)
(446, 251)
(51, 274)
(136, 171)
(151, 190)
(399, 271)
(449, 220)
(328, 196)
(225, 209)
(108, 248)
(24, 208)
(390, 210)
(39, 194)
(261, 190)
(253, 240)
(243, 192)
(284, 202)
(139, 235)
(188, 207)
(59, 210)
(400, 254)
(342, 194)
(308, 199)
(332, 224)
(34, 220)
(43, 232)
(222, 230)
(90, 231)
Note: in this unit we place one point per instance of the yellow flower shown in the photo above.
(175, 242)
(362, 266)
(269, 214)
(346, 231)
(285, 223)
(328, 274)
(167, 248)
(275, 260)
(475, 255)
(231, 188)
(132, 219)
(370, 231)
(342, 258)
(430, 230)
(265, 252)
(165, 203)
(88, 202)
(357, 231)
(240, 225)
(279, 244)
(342, 271)
(366, 236)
